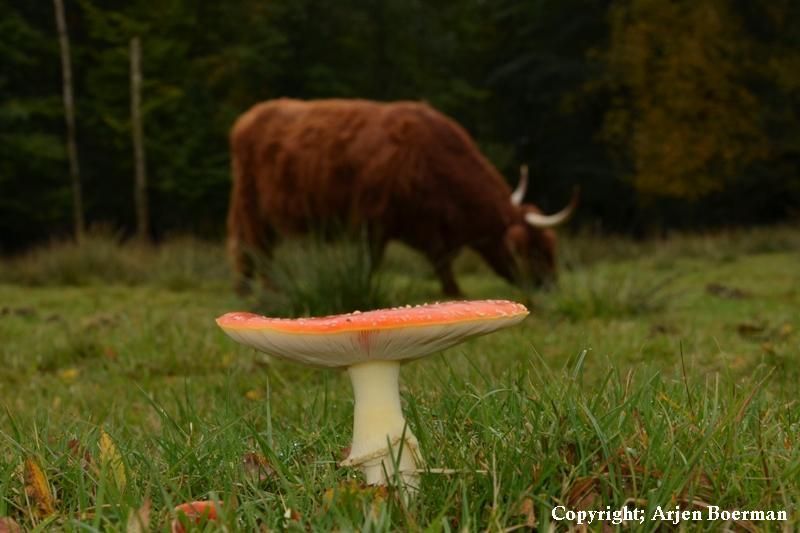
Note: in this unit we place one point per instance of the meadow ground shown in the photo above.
(662, 373)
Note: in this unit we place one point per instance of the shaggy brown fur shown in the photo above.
(403, 169)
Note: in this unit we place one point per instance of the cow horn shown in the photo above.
(537, 220)
(522, 186)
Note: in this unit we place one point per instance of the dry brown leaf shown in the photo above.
(80, 453)
(352, 489)
(254, 395)
(583, 492)
(292, 514)
(641, 430)
(37, 488)
(9, 525)
(257, 466)
(345, 453)
(570, 453)
(68, 374)
(528, 510)
(111, 460)
(703, 481)
(139, 520)
(536, 473)
(352, 492)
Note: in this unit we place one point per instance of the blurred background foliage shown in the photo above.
(678, 114)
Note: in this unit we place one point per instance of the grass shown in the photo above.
(659, 373)
(313, 277)
(105, 259)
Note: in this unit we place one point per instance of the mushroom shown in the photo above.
(198, 513)
(371, 345)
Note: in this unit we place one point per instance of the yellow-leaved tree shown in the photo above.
(682, 115)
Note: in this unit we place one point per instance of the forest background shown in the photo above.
(676, 114)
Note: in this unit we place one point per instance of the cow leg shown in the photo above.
(377, 249)
(444, 271)
(264, 256)
(261, 255)
(250, 251)
(243, 267)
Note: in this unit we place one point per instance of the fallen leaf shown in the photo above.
(536, 473)
(570, 453)
(111, 460)
(528, 510)
(194, 513)
(37, 488)
(9, 525)
(139, 520)
(68, 374)
(641, 430)
(79, 452)
(344, 453)
(291, 514)
(583, 492)
(356, 494)
(257, 466)
(254, 394)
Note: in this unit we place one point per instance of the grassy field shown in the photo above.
(662, 373)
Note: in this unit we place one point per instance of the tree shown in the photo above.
(683, 117)
(69, 118)
(34, 196)
(538, 68)
(140, 181)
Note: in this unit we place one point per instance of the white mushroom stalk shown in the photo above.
(381, 438)
(371, 346)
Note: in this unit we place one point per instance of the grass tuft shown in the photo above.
(318, 277)
(585, 294)
(104, 257)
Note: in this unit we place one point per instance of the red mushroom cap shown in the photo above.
(195, 513)
(395, 334)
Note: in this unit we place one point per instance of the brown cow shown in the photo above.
(402, 169)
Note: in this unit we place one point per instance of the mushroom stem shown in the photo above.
(379, 426)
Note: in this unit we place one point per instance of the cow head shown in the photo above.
(531, 240)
